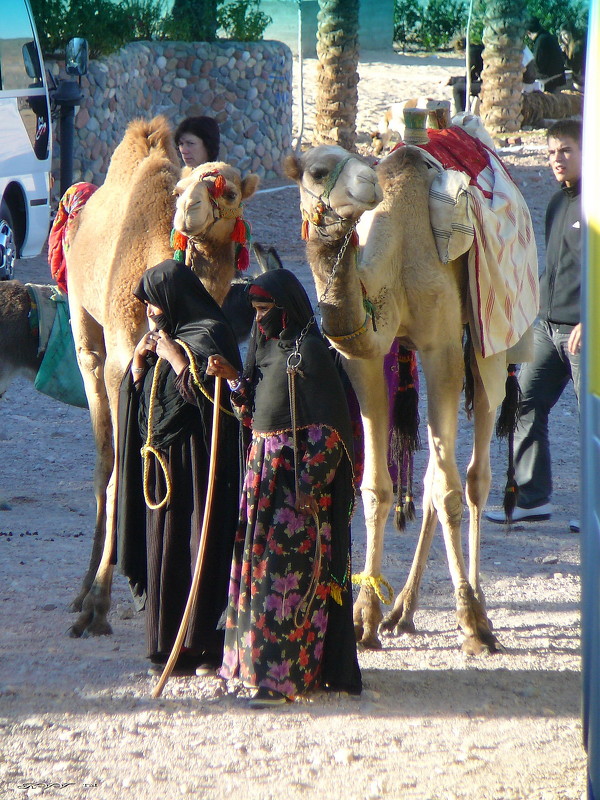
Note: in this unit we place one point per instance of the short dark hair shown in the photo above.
(566, 127)
(205, 128)
(533, 25)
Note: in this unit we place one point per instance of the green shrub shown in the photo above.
(553, 13)
(49, 18)
(441, 21)
(406, 19)
(109, 25)
(242, 20)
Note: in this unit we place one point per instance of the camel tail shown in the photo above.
(505, 428)
(405, 435)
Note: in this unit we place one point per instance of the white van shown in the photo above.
(25, 138)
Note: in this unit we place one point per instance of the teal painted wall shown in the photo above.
(376, 24)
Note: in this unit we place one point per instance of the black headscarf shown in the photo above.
(191, 314)
(320, 395)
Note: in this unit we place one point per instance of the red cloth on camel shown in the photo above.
(70, 205)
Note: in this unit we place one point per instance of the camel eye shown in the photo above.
(318, 173)
(230, 195)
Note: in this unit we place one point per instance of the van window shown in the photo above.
(19, 60)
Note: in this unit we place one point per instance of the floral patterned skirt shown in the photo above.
(277, 614)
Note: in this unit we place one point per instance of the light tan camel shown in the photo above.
(124, 229)
(423, 301)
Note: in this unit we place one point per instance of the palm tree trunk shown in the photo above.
(337, 76)
(502, 77)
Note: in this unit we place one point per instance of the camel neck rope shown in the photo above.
(148, 449)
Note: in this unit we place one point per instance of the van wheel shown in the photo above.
(8, 244)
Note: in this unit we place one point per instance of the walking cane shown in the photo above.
(156, 692)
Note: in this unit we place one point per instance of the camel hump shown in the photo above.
(143, 138)
(153, 134)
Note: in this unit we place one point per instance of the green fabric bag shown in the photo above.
(59, 375)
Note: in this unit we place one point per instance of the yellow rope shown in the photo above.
(148, 450)
(196, 376)
(375, 583)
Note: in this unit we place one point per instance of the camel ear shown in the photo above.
(293, 168)
(182, 185)
(249, 185)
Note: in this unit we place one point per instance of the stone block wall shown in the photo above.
(246, 86)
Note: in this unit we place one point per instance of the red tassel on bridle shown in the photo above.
(218, 186)
(239, 232)
(305, 230)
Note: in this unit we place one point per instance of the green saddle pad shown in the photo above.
(59, 375)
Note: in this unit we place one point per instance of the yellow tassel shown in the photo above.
(305, 230)
(375, 583)
(336, 592)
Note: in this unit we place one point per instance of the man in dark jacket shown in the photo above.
(557, 341)
(548, 57)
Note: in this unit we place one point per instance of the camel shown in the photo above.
(123, 229)
(423, 302)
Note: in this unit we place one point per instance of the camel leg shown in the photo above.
(376, 489)
(443, 371)
(401, 617)
(102, 470)
(479, 478)
(91, 355)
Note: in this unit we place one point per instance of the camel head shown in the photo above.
(336, 187)
(209, 201)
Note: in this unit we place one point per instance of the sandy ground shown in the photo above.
(76, 716)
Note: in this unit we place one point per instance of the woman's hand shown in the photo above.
(221, 368)
(147, 344)
(167, 348)
(307, 504)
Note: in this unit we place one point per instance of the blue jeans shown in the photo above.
(542, 383)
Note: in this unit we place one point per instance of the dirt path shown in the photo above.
(76, 716)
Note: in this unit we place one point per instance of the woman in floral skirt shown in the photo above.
(289, 621)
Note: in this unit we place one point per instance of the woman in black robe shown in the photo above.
(289, 622)
(161, 498)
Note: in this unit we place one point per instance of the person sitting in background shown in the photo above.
(198, 140)
(547, 55)
(572, 44)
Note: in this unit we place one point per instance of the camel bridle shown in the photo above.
(215, 191)
(323, 211)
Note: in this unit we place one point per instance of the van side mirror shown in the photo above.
(76, 56)
(31, 60)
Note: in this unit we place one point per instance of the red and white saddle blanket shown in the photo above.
(475, 187)
(71, 203)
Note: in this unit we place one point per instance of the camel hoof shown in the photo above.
(485, 642)
(392, 625)
(371, 642)
(98, 628)
(76, 606)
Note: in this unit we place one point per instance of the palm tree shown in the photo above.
(337, 76)
(502, 77)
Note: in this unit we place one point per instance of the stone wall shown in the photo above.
(245, 86)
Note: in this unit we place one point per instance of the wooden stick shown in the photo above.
(156, 692)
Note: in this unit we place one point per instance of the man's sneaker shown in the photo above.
(574, 525)
(522, 514)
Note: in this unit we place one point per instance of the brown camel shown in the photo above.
(123, 229)
(424, 302)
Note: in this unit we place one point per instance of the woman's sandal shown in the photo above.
(266, 698)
